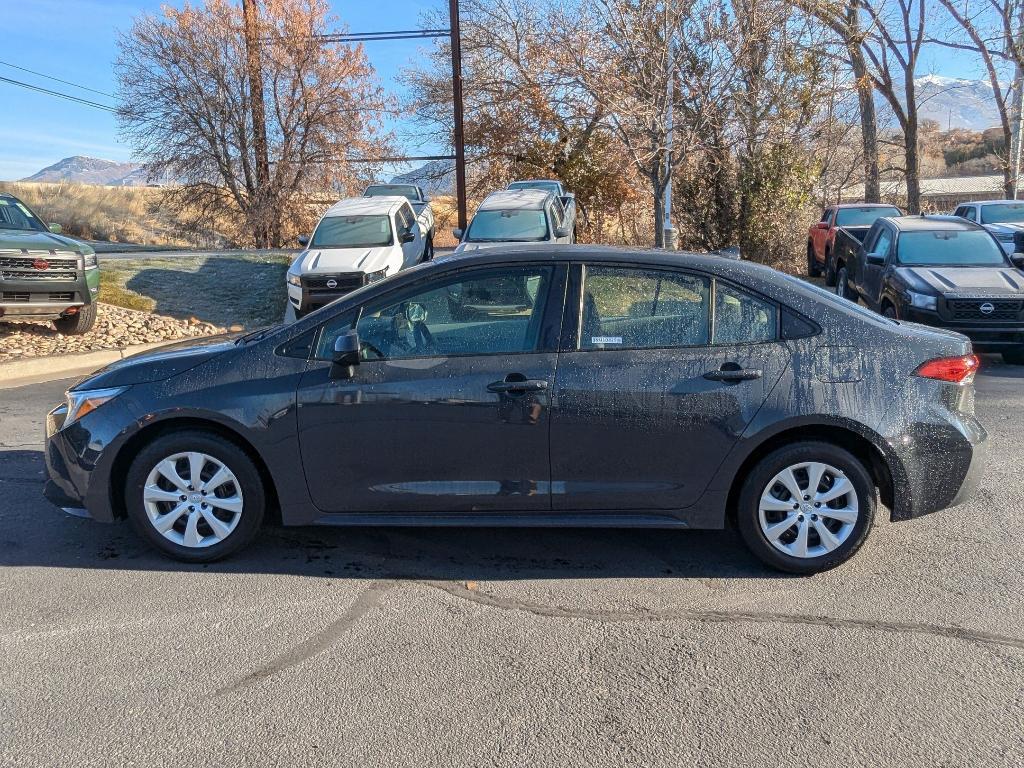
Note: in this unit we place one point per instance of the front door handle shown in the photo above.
(734, 375)
(524, 385)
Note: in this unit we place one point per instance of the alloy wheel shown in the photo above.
(808, 509)
(193, 499)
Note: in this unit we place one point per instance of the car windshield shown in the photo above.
(950, 248)
(1004, 213)
(863, 217)
(352, 232)
(519, 225)
(407, 191)
(546, 186)
(15, 215)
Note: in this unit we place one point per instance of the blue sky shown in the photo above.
(76, 40)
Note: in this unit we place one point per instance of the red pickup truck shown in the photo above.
(855, 217)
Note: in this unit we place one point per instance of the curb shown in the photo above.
(35, 370)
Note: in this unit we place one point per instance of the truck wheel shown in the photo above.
(428, 248)
(830, 270)
(843, 285)
(813, 268)
(1014, 356)
(80, 322)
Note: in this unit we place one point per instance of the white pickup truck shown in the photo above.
(358, 241)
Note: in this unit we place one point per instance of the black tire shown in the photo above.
(221, 450)
(756, 482)
(843, 285)
(1014, 356)
(80, 322)
(890, 311)
(428, 248)
(830, 270)
(813, 268)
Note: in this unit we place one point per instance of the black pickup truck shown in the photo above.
(942, 271)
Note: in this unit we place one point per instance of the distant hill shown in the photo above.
(956, 103)
(92, 170)
(437, 177)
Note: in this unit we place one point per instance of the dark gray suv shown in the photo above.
(537, 386)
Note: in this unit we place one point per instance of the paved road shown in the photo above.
(511, 648)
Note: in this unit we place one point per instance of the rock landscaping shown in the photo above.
(116, 328)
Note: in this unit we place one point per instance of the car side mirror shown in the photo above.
(303, 240)
(458, 233)
(56, 228)
(1018, 242)
(562, 231)
(877, 259)
(346, 355)
(822, 225)
(427, 200)
(408, 237)
(1017, 260)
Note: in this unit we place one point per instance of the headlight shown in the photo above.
(294, 280)
(89, 261)
(921, 300)
(88, 400)
(380, 274)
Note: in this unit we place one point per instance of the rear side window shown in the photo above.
(882, 242)
(640, 309)
(741, 318)
(969, 213)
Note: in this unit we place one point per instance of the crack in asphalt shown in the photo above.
(724, 617)
(365, 601)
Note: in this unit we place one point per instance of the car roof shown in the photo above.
(931, 223)
(515, 199)
(534, 181)
(991, 202)
(385, 204)
(840, 206)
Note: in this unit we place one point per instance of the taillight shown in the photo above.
(957, 370)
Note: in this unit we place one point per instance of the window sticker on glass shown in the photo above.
(605, 339)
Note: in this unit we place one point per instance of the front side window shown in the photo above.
(973, 248)
(352, 232)
(741, 318)
(15, 215)
(1005, 213)
(486, 312)
(863, 217)
(643, 308)
(518, 225)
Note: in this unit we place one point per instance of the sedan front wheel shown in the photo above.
(806, 507)
(195, 496)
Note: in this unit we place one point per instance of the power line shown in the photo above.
(68, 96)
(57, 79)
(366, 37)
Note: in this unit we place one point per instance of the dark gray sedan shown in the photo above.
(537, 386)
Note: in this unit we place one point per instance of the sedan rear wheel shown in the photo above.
(195, 495)
(806, 507)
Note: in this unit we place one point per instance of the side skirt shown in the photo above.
(506, 520)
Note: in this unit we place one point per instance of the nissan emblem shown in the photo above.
(334, 284)
(987, 308)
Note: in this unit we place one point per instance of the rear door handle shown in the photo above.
(526, 385)
(735, 374)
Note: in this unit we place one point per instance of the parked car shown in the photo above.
(941, 271)
(358, 241)
(1003, 218)
(522, 216)
(855, 218)
(418, 199)
(536, 386)
(573, 211)
(43, 274)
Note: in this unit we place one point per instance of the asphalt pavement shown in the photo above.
(394, 647)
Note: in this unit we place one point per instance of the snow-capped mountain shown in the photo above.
(956, 103)
(92, 170)
(437, 177)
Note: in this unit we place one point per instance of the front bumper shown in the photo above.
(46, 295)
(984, 336)
(320, 289)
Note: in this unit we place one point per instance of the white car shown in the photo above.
(519, 216)
(1003, 218)
(358, 241)
(565, 198)
(418, 199)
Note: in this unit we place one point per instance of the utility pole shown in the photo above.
(459, 139)
(250, 14)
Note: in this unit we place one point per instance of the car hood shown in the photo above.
(20, 239)
(160, 363)
(1004, 228)
(343, 260)
(963, 280)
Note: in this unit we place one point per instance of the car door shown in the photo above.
(820, 234)
(412, 251)
(449, 408)
(649, 398)
(874, 270)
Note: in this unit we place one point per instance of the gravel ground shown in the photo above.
(116, 328)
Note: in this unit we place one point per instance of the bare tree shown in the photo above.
(186, 107)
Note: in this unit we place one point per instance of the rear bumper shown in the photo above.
(936, 466)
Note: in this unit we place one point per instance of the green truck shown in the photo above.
(44, 275)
